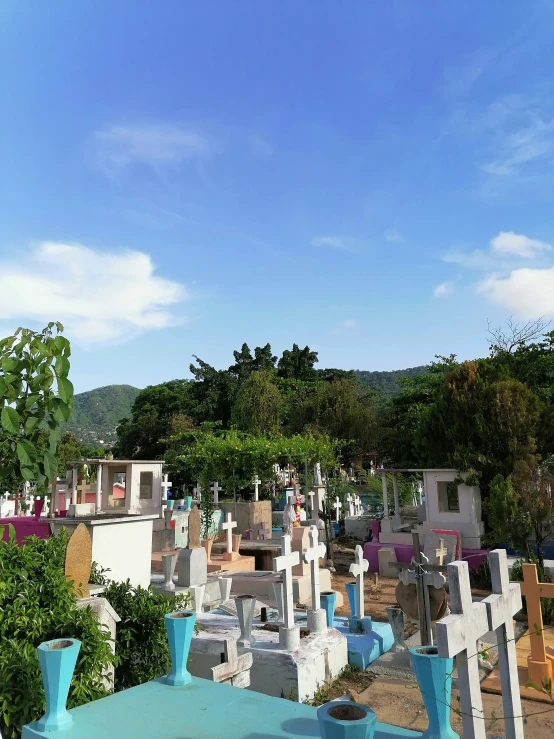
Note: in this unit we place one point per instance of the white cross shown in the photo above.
(215, 490)
(228, 526)
(165, 486)
(233, 664)
(441, 552)
(459, 634)
(502, 605)
(262, 531)
(284, 564)
(350, 500)
(312, 555)
(256, 482)
(357, 569)
(197, 491)
(337, 505)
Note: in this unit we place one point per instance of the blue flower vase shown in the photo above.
(57, 658)
(351, 593)
(188, 502)
(434, 677)
(180, 628)
(170, 503)
(346, 720)
(329, 602)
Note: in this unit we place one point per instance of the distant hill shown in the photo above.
(387, 382)
(97, 413)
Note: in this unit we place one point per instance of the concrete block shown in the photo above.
(386, 557)
(192, 567)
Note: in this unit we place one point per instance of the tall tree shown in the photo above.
(297, 364)
(245, 363)
(257, 407)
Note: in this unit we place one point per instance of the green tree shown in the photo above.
(297, 364)
(153, 412)
(245, 363)
(212, 393)
(257, 407)
(36, 398)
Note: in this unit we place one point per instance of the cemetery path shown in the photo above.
(399, 703)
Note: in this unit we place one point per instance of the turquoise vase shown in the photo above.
(346, 720)
(351, 593)
(329, 602)
(57, 659)
(180, 628)
(188, 502)
(434, 677)
(170, 504)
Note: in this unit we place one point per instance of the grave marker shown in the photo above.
(262, 531)
(458, 636)
(216, 489)
(256, 482)
(78, 560)
(234, 670)
(441, 552)
(317, 621)
(194, 528)
(165, 486)
(350, 501)
(228, 526)
(502, 606)
(538, 664)
(289, 634)
(357, 568)
(337, 505)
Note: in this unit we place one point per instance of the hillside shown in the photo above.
(387, 382)
(97, 413)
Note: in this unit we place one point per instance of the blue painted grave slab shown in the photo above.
(200, 710)
(363, 649)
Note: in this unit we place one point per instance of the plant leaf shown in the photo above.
(10, 420)
(50, 465)
(26, 453)
(65, 389)
(61, 366)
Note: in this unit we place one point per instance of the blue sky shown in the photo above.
(373, 179)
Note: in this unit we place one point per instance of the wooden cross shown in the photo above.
(312, 555)
(262, 531)
(539, 666)
(337, 505)
(216, 489)
(256, 482)
(357, 568)
(228, 526)
(284, 563)
(165, 486)
(458, 636)
(502, 606)
(441, 552)
(17, 499)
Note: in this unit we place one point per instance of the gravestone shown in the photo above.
(387, 559)
(300, 542)
(289, 632)
(192, 565)
(194, 528)
(78, 560)
(435, 542)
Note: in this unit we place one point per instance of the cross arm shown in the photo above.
(286, 560)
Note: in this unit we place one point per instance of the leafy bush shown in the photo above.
(37, 604)
(141, 647)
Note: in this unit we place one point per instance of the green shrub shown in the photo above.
(141, 647)
(37, 604)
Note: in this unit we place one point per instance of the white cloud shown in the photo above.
(260, 147)
(391, 234)
(527, 293)
(476, 259)
(98, 296)
(349, 323)
(508, 242)
(333, 242)
(157, 147)
(443, 290)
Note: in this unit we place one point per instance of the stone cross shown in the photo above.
(458, 636)
(312, 555)
(350, 500)
(337, 505)
(197, 491)
(256, 482)
(216, 489)
(228, 526)
(311, 497)
(262, 531)
(441, 552)
(357, 568)
(502, 605)
(234, 670)
(165, 486)
(284, 563)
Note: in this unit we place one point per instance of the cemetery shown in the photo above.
(257, 593)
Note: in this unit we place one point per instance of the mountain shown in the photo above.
(97, 412)
(387, 382)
